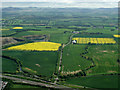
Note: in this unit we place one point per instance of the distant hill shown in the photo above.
(11, 9)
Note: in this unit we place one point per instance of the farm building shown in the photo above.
(74, 41)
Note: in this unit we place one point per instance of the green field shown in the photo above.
(72, 61)
(105, 31)
(85, 35)
(8, 65)
(7, 32)
(42, 63)
(99, 81)
(105, 58)
(24, 33)
(60, 37)
(24, 86)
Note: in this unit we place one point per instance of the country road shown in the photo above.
(70, 40)
(35, 83)
(64, 45)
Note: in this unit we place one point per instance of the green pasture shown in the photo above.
(105, 58)
(7, 32)
(8, 65)
(20, 86)
(72, 61)
(99, 81)
(60, 37)
(42, 63)
(101, 30)
(93, 35)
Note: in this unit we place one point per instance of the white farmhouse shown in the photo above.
(74, 41)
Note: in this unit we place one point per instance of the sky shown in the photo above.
(67, 3)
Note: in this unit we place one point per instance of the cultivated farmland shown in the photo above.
(95, 40)
(37, 46)
(18, 28)
(65, 47)
(76, 63)
(96, 81)
(117, 36)
(42, 63)
(105, 64)
(11, 65)
(4, 29)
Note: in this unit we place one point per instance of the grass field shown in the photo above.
(85, 35)
(42, 63)
(23, 86)
(99, 81)
(43, 32)
(8, 65)
(105, 58)
(60, 37)
(7, 32)
(72, 61)
(104, 31)
(24, 33)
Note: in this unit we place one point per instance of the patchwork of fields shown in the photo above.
(72, 47)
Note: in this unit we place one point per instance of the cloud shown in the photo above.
(62, 1)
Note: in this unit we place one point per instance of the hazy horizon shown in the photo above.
(62, 4)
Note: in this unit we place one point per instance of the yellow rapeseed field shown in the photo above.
(118, 36)
(18, 28)
(95, 40)
(4, 29)
(37, 46)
